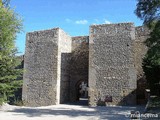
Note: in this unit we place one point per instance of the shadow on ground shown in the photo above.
(101, 113)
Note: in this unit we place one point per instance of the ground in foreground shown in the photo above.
(67, 112)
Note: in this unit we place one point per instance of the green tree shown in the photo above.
(149, 11)
(10, 25)
(5, 2)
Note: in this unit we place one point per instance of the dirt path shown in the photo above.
(66, 112)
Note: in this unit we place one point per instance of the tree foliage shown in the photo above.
(5, 2)
(10, 25)
(149, 12)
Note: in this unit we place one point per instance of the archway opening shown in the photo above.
(82, 92)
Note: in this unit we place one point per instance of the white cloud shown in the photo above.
(96, 20)
(107, 22)
(68, 20)
(81, 22)
(102, 21)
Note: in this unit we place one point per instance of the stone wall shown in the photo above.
(112, 75)
(64, 53)
(55, 64)
(78, 64)
(141, 34)
(40, 76)
(44, 67)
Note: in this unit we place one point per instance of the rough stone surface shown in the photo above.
(43, 66)
(78, 64)
(64, 52)
(109, 60)
(141, 34)
(112, 74)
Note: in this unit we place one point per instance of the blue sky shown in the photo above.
(73, 16)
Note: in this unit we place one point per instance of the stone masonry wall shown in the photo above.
(141, 34)
(109, 60)
(64, 53)
(78, 64)
(40, 65)
(112, 75)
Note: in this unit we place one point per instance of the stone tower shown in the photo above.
(112, 75)
(46, 63)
